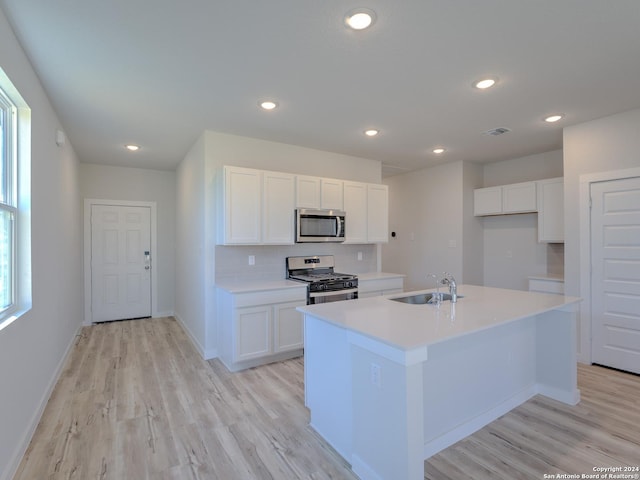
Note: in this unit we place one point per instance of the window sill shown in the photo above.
(11, 317)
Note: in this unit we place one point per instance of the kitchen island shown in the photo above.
(389, 384)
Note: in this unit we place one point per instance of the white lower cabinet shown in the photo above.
(251, 332)
(287, 327)
(260, 327)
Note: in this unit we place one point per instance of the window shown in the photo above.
(15, 203)
(8, 204)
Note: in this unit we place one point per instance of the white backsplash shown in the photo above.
(232, 262)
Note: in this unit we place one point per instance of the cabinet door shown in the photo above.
(377, 213)
(551, 211)
(242, 205)
(519, 198)
(487, 201)
(331, 194)
(307, 192)
(355, 206)
(252, 333)
(287, 327)
(278, 208)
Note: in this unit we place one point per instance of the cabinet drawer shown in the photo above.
(271, 296)
(546, 286)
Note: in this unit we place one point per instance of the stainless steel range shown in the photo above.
(324, 285)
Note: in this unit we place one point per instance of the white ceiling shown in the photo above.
(160, 72)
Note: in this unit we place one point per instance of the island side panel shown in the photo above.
(470, 381)
(557, 359)
(387, 415)
(327, 382)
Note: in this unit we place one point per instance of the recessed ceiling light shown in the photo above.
(554, 118)
(360, 18)
(485, 83)
(438, 150)
(372, 132)
(132, 148)
(268, 104)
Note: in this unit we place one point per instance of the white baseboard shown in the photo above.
(363, 470)
(570, 398)
(22, 445)
(206, 354)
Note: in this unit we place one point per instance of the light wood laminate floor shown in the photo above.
(135, 401)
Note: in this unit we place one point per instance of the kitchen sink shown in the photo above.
(423, 298)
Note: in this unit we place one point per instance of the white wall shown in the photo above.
(427, 212)
(604, 145)
(34, 346)
(136, 184)
(511, 248)
(191, 265)
(472, 231)
(224, 149)
(523, 169)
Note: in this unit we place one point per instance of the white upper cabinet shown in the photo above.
(307, 192)
(377, 213)
(367, 209)
(257, 207)
(355, 206)
(242, 206)
(331, 194)
(543, 196)
(278, 208)
(487, 201)
(551, 210)
(317, 192)
(505, 199)
(519, 198)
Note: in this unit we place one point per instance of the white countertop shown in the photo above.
(408, 326)
(237, 286)
(550, 277)
(379, 276)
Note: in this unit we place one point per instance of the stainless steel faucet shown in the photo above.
(448, 279)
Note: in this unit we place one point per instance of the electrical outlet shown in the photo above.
(376, 375)
(252, 259)
(509, 254)
(359, 255)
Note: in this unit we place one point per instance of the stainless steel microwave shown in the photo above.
(314, 225)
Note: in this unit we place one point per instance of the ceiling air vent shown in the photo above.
(496, 131)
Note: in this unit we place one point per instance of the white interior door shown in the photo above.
(615, 278)
(120, 262)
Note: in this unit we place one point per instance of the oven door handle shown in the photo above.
(334, 292)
